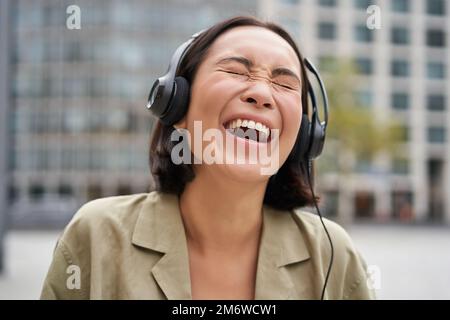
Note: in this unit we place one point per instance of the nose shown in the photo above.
(259, 93)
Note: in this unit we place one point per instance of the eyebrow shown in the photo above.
(280, 71)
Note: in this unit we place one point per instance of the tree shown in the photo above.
(356, 132)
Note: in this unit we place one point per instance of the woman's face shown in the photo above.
(249, 73)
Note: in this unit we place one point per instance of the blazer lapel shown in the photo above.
(159, 227)
(281, 244)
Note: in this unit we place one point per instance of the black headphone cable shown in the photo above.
(309, 169)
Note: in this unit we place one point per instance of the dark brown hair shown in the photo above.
(288, 188)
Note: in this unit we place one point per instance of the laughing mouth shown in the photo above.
(248, 129)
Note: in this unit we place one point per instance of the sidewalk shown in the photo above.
(27, 258)
(414, 261)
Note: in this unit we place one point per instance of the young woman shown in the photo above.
(220, 230)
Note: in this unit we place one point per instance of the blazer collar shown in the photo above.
(159, 227)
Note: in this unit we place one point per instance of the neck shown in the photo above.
(222, 215)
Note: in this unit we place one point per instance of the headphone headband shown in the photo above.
(169, 100)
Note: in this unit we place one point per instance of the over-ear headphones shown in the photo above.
(169, 100)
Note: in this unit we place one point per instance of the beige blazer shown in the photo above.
(134, 247)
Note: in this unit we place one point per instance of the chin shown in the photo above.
(245, 173)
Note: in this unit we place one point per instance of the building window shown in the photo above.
(363, 165)
(436, 102)
(97, 159)
(364, 204)
(399, 35)
(400, 101)
(435, 38)
(328, 3)
(72, 51)
(364, 65)
(290, 2)
(124, 190)
(363, 34)
(327, 30)
(400, 166)
(13, 193)
(400, 5)
(435, 70)
(402, 205)
(436, 7)
(12, 159)
(400, 68)
(36, 191)
(68, 159)
(364, 98)
(94, 191)
(362, 4)
(331, 200)
(436, 134)
(65, 190)
(74, 120)
(117, 120)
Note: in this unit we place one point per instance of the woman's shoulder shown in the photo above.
(349, 266)
(115, 208)
(312, 227)
(106, 216)
(99, 232)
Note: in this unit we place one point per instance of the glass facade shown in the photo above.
(78, 113)
(78, 119)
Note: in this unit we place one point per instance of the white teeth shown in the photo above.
(237, 123)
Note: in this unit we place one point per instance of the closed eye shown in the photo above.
(283, 85)
(236, 73)
(246, 75)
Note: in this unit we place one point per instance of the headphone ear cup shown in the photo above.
(305, 137)
(179, 103)
(318, 138)
(301, 147)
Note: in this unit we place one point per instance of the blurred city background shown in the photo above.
(74, 127)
